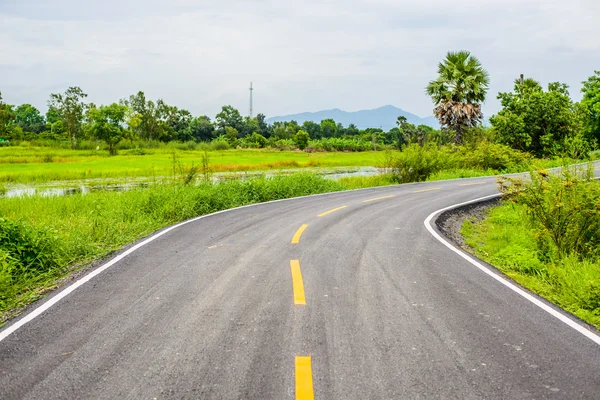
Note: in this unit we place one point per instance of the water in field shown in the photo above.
(68, 191)
(98, 185)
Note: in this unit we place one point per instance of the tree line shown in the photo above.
(540, 121)
(70, 117)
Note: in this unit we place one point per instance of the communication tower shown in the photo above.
(251, 99)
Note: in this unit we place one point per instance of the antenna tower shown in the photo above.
(251, 99)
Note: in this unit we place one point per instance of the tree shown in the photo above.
(313, 129)
(292, 128)
(70, 108)
(149, 126)
(172, 122)
(231, 134)
(328, 128)
(263, 127)
(229, 117)
(107, 124)
(29, 118)
(6, 117)
(590, 106)
(458, 92)
(301, 138)
(351, 130)
(280, 131)
(54, 124)
(535, 120)
(201, 129)
(249, 126)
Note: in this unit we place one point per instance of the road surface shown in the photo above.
(336, 296)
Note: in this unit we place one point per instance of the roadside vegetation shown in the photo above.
(44, 238)
(546, 236)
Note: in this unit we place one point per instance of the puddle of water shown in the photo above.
(68, 191)
(82, 188)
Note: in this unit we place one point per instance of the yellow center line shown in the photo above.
(426, 190)
(297, 284)
(471, 184)
(378, 198)
(330, 211)
(217, 245)
(304, 380)
(296, 238)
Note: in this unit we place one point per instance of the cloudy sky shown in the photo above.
(301, 55)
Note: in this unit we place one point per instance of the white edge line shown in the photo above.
(579, 328)
(69, 289)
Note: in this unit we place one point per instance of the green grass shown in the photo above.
(507, 240)
(461, 173)
(41, 164)
(42, 239)
(360, 182)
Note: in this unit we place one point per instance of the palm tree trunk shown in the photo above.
(458, 137)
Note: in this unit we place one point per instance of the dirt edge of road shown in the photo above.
(450, 222)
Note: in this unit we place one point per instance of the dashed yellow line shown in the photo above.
(379, 198)
(297, 284)
(298, 234)
(217, 245)
(304, 380)
(471, 184)
(330, 211)
(426, 190)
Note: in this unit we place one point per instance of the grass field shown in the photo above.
(41, 164)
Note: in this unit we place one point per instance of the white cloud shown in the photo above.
(302, 56)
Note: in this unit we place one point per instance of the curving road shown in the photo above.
(367, 304)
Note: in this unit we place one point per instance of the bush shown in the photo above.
(282, 144)
(339, 144)
(565, 209)
(509, 242)
(487, 155)
(219, 144)
(416, 163)
(48, 158)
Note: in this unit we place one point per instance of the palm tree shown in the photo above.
(458, 92)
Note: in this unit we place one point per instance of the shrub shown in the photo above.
(219, 144)
(416, 163)
(48, 158)
(487, 155)
(301, 138)
(339, 144)
(257, 140)
(565, 209)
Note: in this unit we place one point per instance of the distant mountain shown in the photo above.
(384, 117)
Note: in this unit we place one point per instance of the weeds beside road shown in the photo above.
(546, 236)
(44, 238)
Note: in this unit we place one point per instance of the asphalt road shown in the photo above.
(214, 310)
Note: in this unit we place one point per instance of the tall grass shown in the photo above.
(42, 238)
(360, 182)
(546, 236)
